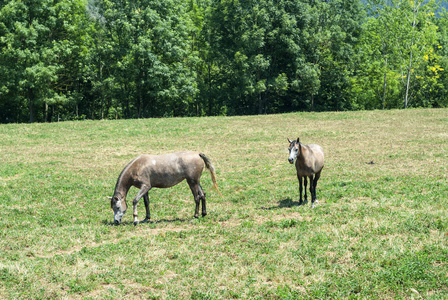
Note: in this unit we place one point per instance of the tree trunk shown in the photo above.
(383, 101)
(209, 83)
(312, 103)
(408, 78)
(139, 105)
(102, 89)
(407, 91)
(31, 104)
(46, 112)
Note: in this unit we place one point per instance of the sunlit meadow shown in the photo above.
(380, 230)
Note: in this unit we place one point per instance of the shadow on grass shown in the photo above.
(285, 203)
(129, 223)
(167, 221)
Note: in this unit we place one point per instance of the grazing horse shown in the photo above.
(309, 163)
(161, 171)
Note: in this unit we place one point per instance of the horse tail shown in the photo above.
(211, 168)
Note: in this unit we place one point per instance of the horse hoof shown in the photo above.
(135, 223)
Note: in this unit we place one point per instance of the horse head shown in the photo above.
(119, 207)
(293, 150)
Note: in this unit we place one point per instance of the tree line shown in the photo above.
(98, 59)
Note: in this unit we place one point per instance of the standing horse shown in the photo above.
(161, 171)
(309, 163)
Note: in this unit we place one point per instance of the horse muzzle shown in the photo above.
(117, 217)
(290, 160)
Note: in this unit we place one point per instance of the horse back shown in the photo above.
(318, 153)
(167, 170)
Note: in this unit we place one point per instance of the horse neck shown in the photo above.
(302, 150)
(123, 185)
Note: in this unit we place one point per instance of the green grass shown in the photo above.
(379, 231)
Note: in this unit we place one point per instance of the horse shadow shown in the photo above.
(166, 221)
(128, 223)
(285, 203)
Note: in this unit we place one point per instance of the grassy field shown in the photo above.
(380, 231)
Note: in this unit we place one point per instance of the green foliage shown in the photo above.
(40, 56)
(283, 55)
(439, 96)
(147, 66)
(110, 59)
(399, 57)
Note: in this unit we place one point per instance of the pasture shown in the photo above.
(380, 230)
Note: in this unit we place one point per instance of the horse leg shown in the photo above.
(312, 191)
(194, 187)
(201, 194)
(316, 178)
(305, 181)
(300, 189)
(148, 215)
(143, 190)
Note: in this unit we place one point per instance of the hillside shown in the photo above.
(379, 231)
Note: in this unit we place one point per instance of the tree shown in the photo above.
(439, 96)
(255, 46)
(151, 48)
(398, 47)
(374, 83)
(38, 40)
(280, 55)
(330, 49)
(416, 36)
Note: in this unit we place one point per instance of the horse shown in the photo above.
(161, 171)
(309, 163)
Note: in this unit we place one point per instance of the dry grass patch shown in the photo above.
(379, 230)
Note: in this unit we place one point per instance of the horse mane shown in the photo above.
(299, 144)
(120, 177)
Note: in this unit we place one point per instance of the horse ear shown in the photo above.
(298, 140)
(289, 140)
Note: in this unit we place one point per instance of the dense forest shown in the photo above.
(97, 59)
